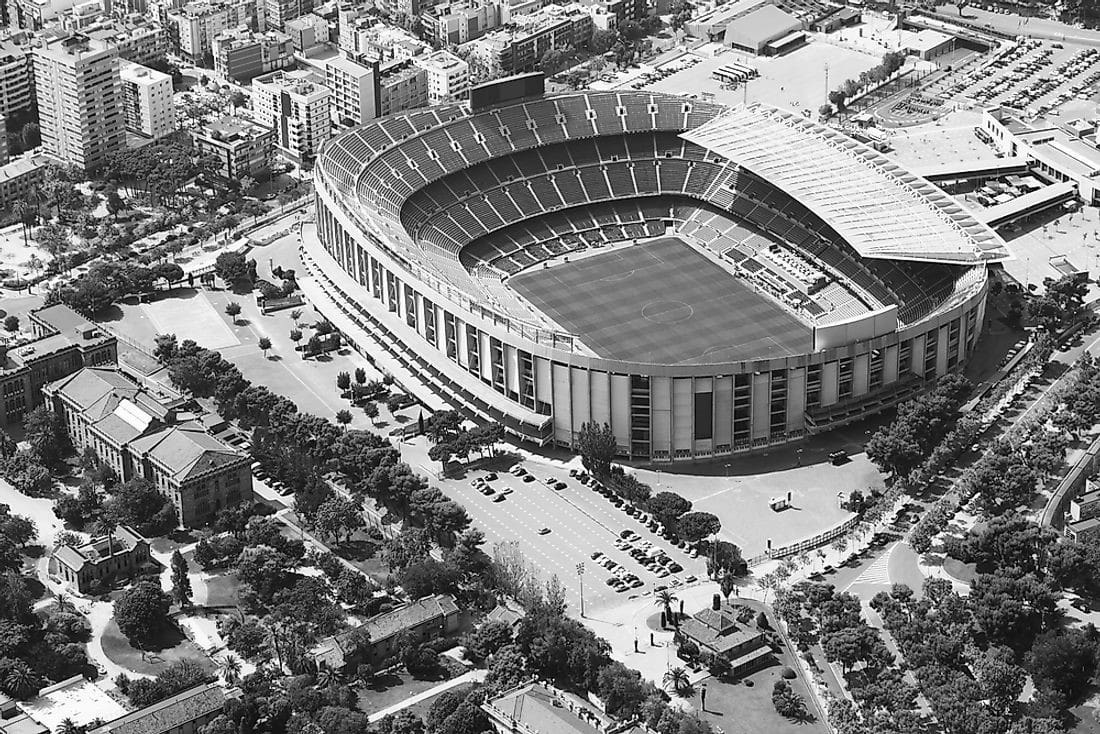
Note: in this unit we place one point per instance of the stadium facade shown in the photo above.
(424, 218)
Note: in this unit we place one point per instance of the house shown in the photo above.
(184, 713)
(427, 618)
(100, 560)
(142, 432)
(719, 632)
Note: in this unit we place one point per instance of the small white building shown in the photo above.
(147, 100)
(448, 76)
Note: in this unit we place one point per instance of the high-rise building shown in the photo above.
(448, 76)
(36, 14)
(241, 55)
(147, 100)
(297, 108)
(16, 77)
(79, 100)
(240, 146)
(136, 37)
(194, 25)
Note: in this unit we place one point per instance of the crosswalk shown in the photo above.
(878, 573)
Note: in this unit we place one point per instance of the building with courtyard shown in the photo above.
(101, 560)
(155, 436)
(62, 342)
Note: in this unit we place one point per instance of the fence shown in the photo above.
(801, 546)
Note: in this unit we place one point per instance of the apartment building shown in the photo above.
(520, 46)
(241, 55)
(364, 91)
(153, 435)
(194, 26)
(307, 32)
(459, 21)
(448, 76)
(147, 100)
(278, 12)
(35, 15)
(297, 108)
(241, 147)
(369, 39)
(62, 342)
(137, 38)
(16, 75)
(79, 93)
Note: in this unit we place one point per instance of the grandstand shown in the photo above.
(831, 281)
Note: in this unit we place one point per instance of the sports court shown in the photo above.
(191, 318)
(663, 302)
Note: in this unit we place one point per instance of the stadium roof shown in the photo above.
(879, 208)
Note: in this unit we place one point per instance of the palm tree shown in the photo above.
(665, 599)
(677, 679)
(295, 315)
(67, 726)
(62, 601)
(22, 210)
(327, 677)
(727, 584)
(230, 669)
(107, 524)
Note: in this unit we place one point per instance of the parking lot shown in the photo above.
(1036, 76)
(560, 528)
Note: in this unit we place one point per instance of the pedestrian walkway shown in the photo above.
(473, 676)
(878, 573)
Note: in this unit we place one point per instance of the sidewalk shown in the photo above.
(473, 676)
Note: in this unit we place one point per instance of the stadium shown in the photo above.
(707, 280)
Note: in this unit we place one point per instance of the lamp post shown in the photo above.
(580, 581)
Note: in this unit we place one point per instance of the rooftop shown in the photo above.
(171, 714)
(123, 539)
(22, 166)
(762, 24)
(129, 71)
(233, 127)
(77, 699)
(879, 208)
(538, 709)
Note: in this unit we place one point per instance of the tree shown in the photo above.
(788, 703)
(230, 669)
(597, 446)
(343, 417)
(142, 611)
(233, 310)
(694, 526)
(181, 582)
(602, 41)
(264, 344)
(421, 661)
(232, 267)
(295, 336)
(622, 690)
(339, 515)
(11, 323)
(665, 600)
(667, 507)
(360, 376)
(371, 411)
(677, 679)
(139, 503)
(45, 431)
(343, 382)
(1062, 663)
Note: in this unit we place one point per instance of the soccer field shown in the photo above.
(663, 302)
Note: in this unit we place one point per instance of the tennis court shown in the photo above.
(663, 302)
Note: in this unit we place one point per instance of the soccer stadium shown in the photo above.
(707, 280)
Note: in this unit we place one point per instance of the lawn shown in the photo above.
(221, 590)
(388, 689)
(662, 302)
(173, 647)
(740, 709)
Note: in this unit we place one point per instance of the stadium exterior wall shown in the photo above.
(658, 412)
